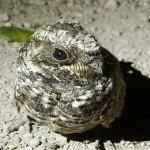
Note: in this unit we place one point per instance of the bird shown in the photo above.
(67, 81)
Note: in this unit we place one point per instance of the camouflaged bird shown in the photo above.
(67, 81)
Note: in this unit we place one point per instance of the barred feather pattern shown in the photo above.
(72, 95)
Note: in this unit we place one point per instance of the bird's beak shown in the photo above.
(81, 68)
(78, 68)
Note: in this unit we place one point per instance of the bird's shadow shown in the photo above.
(134, 124)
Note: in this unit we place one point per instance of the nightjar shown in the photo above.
(67, 81)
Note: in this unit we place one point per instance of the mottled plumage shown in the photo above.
(67, 81)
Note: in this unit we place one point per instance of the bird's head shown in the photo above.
(65, 47)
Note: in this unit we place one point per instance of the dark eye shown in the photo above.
(60, 54)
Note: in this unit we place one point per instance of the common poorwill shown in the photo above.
(67, 81)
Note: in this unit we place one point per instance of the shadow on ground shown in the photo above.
(134, 124)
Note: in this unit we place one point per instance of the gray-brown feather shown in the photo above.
(76, 94)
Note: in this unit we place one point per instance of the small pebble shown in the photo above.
(35, 142)
(4, 140)
(4, 17)
(109, 145)
(142, 144)
(122, 142)
(61, 140)
(111, 5)
(42, 147)
(54, 146)
(37, 2)
(26, 137)
(28, 148)
(8, 24)
(93, 146)
(26, 25)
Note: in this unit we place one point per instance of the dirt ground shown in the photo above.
(123, 27)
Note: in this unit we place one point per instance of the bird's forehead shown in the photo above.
(68, 35)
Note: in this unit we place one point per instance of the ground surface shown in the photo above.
(123, 27)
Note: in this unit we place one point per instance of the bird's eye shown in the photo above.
(59, 54)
